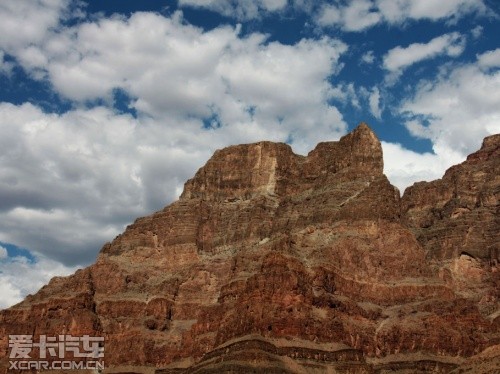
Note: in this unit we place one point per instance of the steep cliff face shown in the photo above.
(274, 262)
(456, 219)
(459, 214)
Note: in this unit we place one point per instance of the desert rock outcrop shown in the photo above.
(271, 262)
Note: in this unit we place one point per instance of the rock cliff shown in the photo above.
(271, 262)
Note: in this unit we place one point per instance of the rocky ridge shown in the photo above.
(273, 262)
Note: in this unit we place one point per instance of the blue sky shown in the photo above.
(108, 107)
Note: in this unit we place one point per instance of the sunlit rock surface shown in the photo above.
(271, 262)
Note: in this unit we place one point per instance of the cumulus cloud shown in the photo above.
(69, 183)
(63, 176)
(359, 15)
(350, 15)
(20, 277)
(489, 59)
(457, 110)
(178, 71)
(404, 167)
(3, 253)
(26, 23)
(241, 9)
(354, 16)
(400, 58)
(399, 11)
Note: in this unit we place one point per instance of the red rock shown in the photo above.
(275, 262)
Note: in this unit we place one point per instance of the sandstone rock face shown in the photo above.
(456, 219)
(458, 214)
(271, 262)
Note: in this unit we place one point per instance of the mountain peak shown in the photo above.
(275, 262)
(363, 126)
(246, 170)
(491, 141)
(358, 152)
(365, 137)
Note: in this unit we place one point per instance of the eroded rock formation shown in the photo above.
(271, 262)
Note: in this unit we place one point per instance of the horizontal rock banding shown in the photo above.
(265, 247)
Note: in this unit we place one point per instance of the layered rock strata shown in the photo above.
(271, 262)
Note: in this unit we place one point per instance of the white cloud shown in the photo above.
(350, 15)
(346, 94)
(358, 97)
(5, 66)
(10, 295)
(489, 59)
(241, 9)
(359, 15)
(20, 277)
(26, 23)
(273, 5)
(3, 253)
(374, 103)
(330, 15)
(400, 58)
(456, 110)
(368, 57)
(404, 167)
(354, 16)
(399, 11)
(477, 31)
(70, 182)
(178, 71)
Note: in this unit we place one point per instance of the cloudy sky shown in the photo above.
(107, 107)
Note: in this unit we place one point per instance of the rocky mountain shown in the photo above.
(271, 262)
